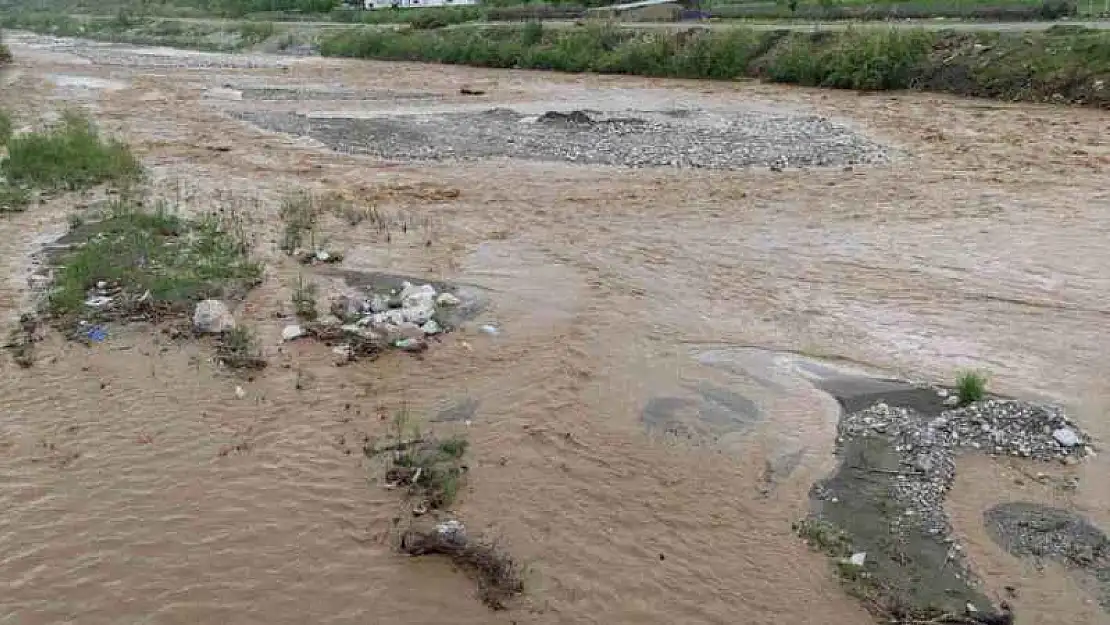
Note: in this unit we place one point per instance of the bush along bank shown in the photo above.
(1002, 11)
(5, 53)
(1060, 64)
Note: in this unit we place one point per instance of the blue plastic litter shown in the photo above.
(96, 334)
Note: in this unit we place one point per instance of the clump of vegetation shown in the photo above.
(971, 386)
(432, 469)
(428, 21)
(299, 212)
(239, 349)
(70, 156)
(304, 300)
(5, 53)
(152, 263)
(1055, 65)
(5, 127)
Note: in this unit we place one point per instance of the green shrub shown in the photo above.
(5, 127)
(1072, 65)
(70, 156)
(971, 386)
(5, 53)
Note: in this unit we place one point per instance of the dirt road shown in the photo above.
(643, 434)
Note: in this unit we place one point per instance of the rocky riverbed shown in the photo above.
(677, 138)
(897, 450)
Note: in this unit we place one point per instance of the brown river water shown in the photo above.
(139, 488)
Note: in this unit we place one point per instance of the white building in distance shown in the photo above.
(414, 4)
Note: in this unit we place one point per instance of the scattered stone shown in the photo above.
(379, 303)
(292, 332)
(411, 345)
(448, 299)
(1066, 437)
(211, 316)
(651, 138)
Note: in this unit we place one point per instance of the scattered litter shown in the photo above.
(431, 327)
(411, 345)
(96, 333)
(239, 392)
(858, 559)
(98, 301)
(471, 91)
(292, 332)
(490, 330)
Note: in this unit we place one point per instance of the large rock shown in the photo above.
(418, 303)
(211, 316)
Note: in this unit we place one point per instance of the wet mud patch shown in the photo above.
(706, 412)
(881, 513)
(648, 139)
(1039, 532)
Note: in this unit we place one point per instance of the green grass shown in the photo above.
(156, 263)
(971, 386)
(1070, 65)
(70, 156)
(304, 300)
(5, 53)
(299, 212)
(239, 349)
(5, 127)
(432, 469)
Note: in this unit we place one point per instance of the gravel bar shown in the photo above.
(693, 139)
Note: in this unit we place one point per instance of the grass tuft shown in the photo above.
(5, 127)
(431, 468)
(304, 299)
(971, 386)
(70, 156)
(5, 53)
(239, 349)
(299, 212)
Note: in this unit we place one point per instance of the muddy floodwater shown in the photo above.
(644, 423)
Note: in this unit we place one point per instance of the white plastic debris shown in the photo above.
(211, 316)
(410, 345)
(292, 332)
(239, 392)
(1066, 437)
(448, 299)
(858, 559)
(323, 256)
(431, 327)
(98, 301)
(489, 329)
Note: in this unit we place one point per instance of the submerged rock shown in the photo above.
(212, 316)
